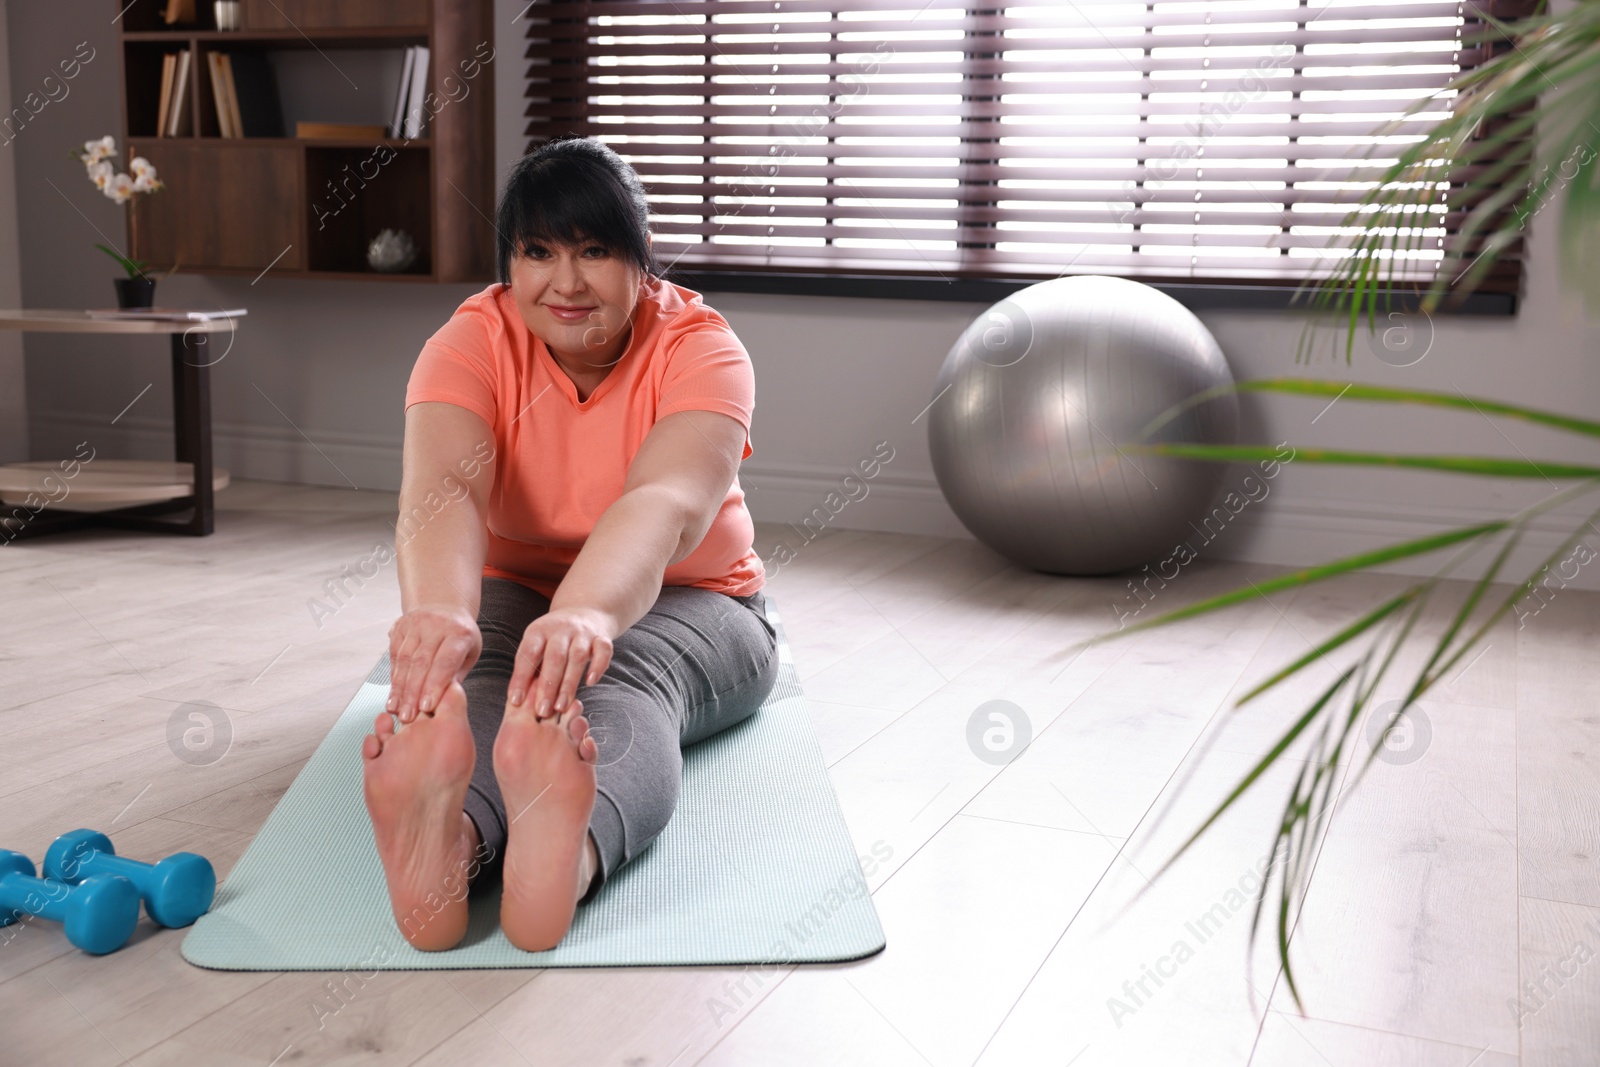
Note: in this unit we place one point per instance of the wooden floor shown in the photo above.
(1445, 889)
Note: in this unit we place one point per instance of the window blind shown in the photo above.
(1188, 141)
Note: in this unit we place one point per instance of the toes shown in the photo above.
(577, 729)
(583, 742)
(383, 729)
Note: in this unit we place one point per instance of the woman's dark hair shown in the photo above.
(569, 190)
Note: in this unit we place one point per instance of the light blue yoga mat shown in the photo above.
(755, 867)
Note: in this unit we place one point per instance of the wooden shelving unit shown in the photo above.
(238, 205)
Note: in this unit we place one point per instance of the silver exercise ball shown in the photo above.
(1034, 401)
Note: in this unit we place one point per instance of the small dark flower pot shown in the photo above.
(135, 292)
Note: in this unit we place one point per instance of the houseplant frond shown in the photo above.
(1333, 720)
(1523, 133)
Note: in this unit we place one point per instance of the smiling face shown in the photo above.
(579, 300)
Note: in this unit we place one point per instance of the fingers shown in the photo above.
(579, 654)
(600, 660)
(400, 638)
(551, 672)
(418, 665)
(552, 662)
(528, 653)
(587, 659)
(544, 673)
(427, 650)
(446, 668)
(406, 674)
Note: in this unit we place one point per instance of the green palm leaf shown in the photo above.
(1486, 465)
(1385, 628)
(1527, 122)
(1534, 143)
(1358, 391)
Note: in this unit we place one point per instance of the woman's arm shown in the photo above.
(440, 542)
(674, 489)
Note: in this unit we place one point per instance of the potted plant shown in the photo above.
(1529, 154)
(138, 289)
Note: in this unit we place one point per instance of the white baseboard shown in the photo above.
(247, 450)
(892, 503)
(1287, 531)
(1301, 533)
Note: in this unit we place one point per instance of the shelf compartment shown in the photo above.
(142, 71)
(146, 19)
(210, 122)
(357, 192)
(234, 206)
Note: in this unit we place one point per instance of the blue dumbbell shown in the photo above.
(176, 891)
(99, 915)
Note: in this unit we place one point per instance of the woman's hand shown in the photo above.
(429, 647)
(556, 647)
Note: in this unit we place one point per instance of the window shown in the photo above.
(1203, 142)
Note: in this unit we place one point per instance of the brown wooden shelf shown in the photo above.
(310, 142)
(373, 36)
(307, 207)
(279, 271)
(370, 276)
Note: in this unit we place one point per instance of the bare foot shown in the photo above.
(416, 781)
(546, 775)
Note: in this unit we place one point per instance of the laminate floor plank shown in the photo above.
(1443, 922)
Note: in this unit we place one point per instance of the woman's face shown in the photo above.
(578, 299)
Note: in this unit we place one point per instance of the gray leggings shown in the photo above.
(696, 663)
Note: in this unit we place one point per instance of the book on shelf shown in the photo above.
(258, 112)
(402, 95)
(169, 66)
(339, 131)
(164, 314)
(179, 11)
(177, 120)
(219, 96)
(414, 93)
(230, 95)
(245, 94)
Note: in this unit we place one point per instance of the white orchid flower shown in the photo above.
(118, 187)
(95, 151)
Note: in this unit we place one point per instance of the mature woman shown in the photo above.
(581, 596)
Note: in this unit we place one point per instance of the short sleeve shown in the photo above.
(708, 369)
(457, 366)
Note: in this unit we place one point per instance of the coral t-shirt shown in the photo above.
(561, 462)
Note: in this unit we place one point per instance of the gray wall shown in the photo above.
(326, 362)
(13, 387)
